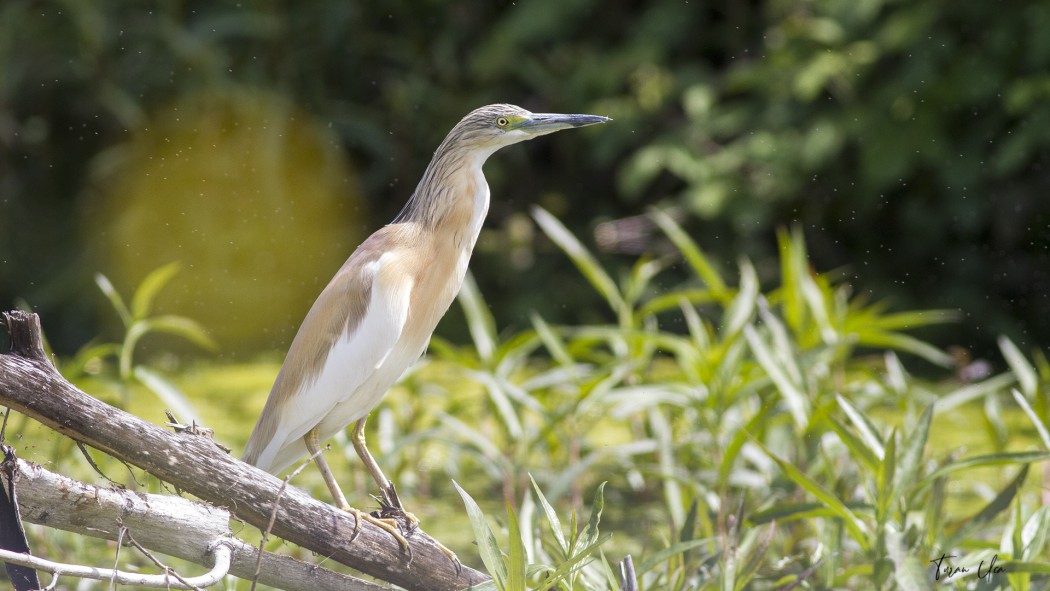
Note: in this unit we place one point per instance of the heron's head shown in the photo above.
(492, 127)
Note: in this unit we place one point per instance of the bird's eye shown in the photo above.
(502, 121)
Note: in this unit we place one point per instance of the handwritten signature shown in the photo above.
(946, 570)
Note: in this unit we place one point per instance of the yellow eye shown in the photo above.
(502, 121)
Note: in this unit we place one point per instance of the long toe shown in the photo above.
(405, 520)
(391, 526)
(451, 555)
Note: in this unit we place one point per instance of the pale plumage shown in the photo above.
(376, 316)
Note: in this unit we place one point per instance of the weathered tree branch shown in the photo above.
(165, 523)
(30, 384)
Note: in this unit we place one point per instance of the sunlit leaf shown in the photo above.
(488, 547)
(1026, 375)
(146, 292)
(582, 258)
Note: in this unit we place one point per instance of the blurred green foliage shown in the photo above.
(907, 138)
(763, 446)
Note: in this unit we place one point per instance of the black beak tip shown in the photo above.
(583, 120)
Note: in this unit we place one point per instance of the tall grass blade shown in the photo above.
(554, 345)
(868, 433)
(516, 554)
(1035, 534)
(818, 306)
(854, 525)
(911, 453)
(857, 447)
(488, 547)
(581, 257)
(1040, 426)
(552, 518)
(1026, 374)
(972, 391)
(480, 323)
(146, 292)
(590, 531)
(998, 459)
(908, 344)
(794, 397)
(172, 397)
(742, 308)
(1000, 503)
(662, 556)
(180, 326)
(106, 286)
(695, 257)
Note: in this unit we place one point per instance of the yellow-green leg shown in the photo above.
(390, 501)
(313, 445)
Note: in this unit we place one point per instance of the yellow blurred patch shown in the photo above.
(256, 200)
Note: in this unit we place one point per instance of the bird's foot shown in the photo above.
(391, 526)
(390, 509)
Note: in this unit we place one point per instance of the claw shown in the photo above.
(390, 510)
(391, 526)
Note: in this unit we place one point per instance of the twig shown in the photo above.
(116, 555)
(221, 550)
(3, 429)
(167, 569)
(273, 513)
(30, 385)
(98, 470)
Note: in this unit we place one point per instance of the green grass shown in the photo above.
(724, 434)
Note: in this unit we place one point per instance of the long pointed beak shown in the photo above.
(542, 123)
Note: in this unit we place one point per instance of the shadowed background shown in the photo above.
(258, 143)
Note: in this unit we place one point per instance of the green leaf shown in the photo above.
(552, 518)
(916, 319)
(581, 257)
(480, 323)
(911, 453)
(868, 433)
(662, 556)
(1026, 374)
(998, 459)
(887, 470)
(516, 558)
(757, 544)
(909, 572)
(857, 447)
(905, 343)
(590, 532)
(695, 257)
(1035, 534)
(172, 397)
(856, 528)
(552, 342)
(572, 564)
(736, 443)
(146, 292)
(1000, 503)
(742, 308)
(180, 326)
(488, 547)
(973, 391)
(1040, 426)
(796, 400)
(114, 298)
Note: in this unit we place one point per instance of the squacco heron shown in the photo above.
(377, 314)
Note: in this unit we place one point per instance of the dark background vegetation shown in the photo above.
(909, 139)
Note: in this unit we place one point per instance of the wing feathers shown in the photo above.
(350, 330)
